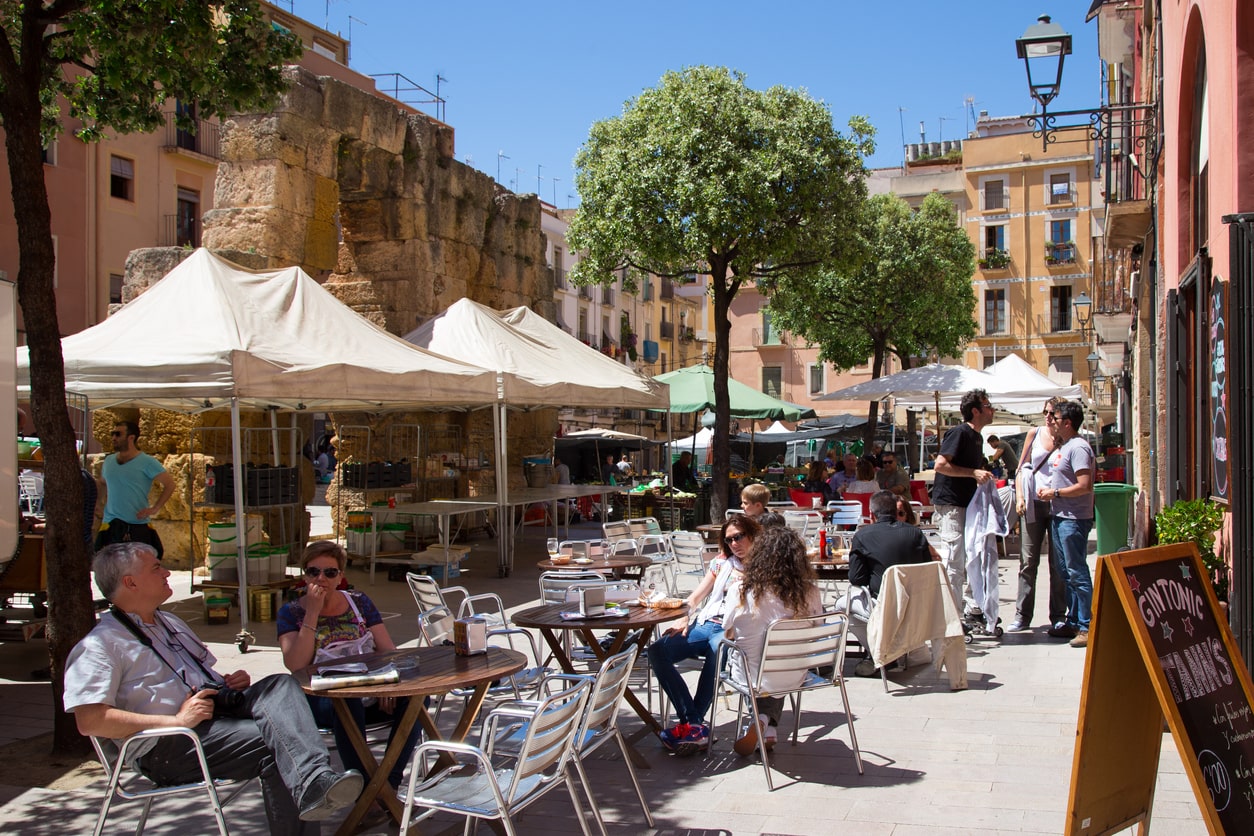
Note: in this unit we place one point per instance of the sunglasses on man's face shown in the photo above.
(116, 434)
(330, 574)
(732, 539)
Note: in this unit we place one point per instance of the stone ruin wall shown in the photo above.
(368, 199)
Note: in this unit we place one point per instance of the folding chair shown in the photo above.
(794, 648)
(429, 596)
(31, 492)
(132, 786)
(501, 792)
(597, 726)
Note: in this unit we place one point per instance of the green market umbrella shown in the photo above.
(692, 390)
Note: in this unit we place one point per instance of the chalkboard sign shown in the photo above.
(1160, 646)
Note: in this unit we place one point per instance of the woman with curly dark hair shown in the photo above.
(778, 583)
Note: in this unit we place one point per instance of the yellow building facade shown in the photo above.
(1031, 217)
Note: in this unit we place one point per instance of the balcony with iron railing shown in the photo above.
(585, 337)
(994, 201)
(585, 292)
(1060, 253)
(1061, 195)
(667, 290)
(995, 259)
(768, 338)
(1128, 149)
(559, 279)
(607, 296)
(203, 141)
(666, 330)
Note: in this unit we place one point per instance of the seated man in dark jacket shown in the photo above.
(886, 542)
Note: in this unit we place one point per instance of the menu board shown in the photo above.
(1217, 335)
(1160, 646)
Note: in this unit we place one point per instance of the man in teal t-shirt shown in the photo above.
(128, 476)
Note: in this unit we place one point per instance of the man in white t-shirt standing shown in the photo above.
(1070, 494)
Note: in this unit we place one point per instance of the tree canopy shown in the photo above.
(104, 65)
(911, 296)
(703, 175)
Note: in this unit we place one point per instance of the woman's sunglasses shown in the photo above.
(732, 539)
(330, 574)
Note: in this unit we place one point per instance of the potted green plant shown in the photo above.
(995, 259)
(1196, 521)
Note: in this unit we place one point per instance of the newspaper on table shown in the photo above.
(353, 675)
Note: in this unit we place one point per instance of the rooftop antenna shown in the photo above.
(500, 155)
(538, 167)
(969, 109)
(941, 120)
(901, 120)
(555, 180)
(517, 179)
(569, 197)
(439, 100)
(350, 34)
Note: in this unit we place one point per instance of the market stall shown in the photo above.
(213, 336)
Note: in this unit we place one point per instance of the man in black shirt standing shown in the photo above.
(960, 468)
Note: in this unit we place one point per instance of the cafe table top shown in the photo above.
(617, 563)
(424, 671)
(548, 616)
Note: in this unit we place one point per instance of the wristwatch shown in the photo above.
(1057, 493)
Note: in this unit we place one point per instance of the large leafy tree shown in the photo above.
(96, 66)
(703, 175)
(910, 297)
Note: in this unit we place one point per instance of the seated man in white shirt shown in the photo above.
(140, 668)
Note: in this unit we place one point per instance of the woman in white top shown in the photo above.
(865, 483)
(1034, 526)
(778, 583)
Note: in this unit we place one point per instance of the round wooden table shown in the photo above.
(547, 619)
(425, 671)
(620, 565)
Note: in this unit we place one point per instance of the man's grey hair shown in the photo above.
(115, 561)
(883, 504)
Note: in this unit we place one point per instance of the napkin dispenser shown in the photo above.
(470, 636)
(592, 601)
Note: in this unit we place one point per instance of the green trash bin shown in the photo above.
(1110, 505)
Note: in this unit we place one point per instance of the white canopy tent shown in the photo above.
(542, 367)
(211, 335)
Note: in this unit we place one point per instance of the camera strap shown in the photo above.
(212, 679)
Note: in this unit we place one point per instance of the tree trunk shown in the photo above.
(721, 467)
(70, 613)
(873, 410)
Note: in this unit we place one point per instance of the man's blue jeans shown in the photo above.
(1072, 537)
(702, 640)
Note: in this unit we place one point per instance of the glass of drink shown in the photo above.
(551, 545)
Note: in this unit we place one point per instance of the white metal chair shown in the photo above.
(845, 514)
(615, 531)
(781, 505)
(598, 725)
(428, 594)
(31, 492)
(805, 523)
(793, 647)
(502, 792)
(132, 786)
(687, 547)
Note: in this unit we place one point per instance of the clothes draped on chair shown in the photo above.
(915, 606)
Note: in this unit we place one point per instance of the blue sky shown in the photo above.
(529, 79)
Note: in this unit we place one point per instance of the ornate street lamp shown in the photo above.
(1093, 359)
(1083, 307)
(1043, 48)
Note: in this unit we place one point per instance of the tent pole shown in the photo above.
(274, 435)
(241, 523)
(504, 524)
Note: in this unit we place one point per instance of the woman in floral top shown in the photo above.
(328, 623)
